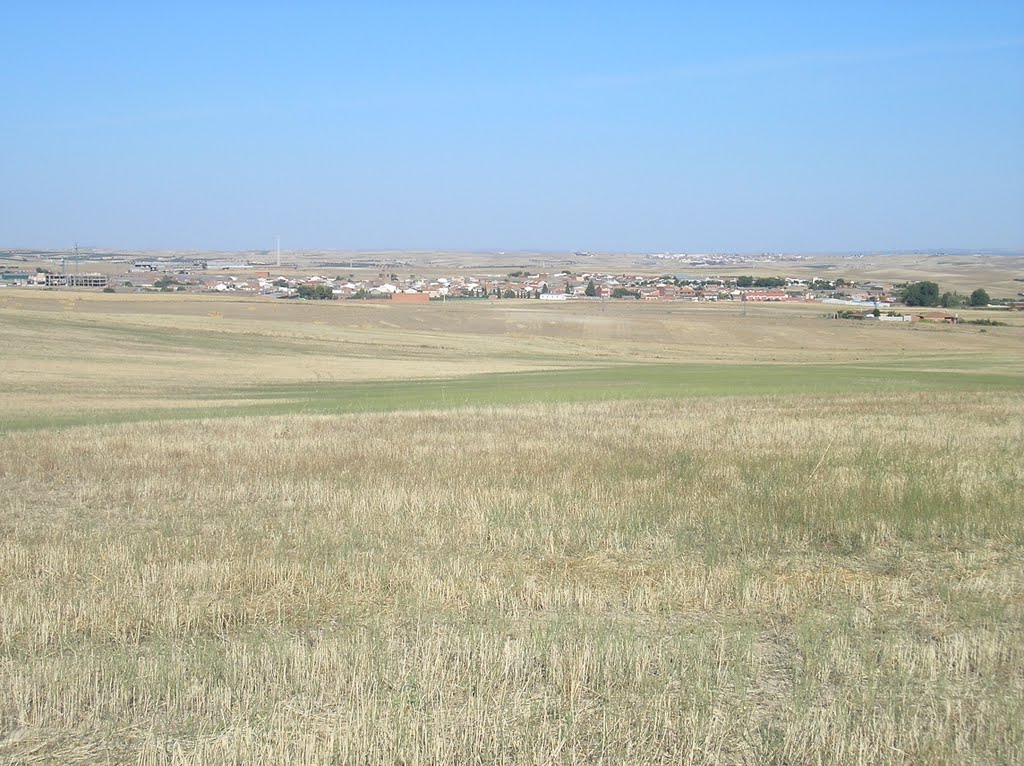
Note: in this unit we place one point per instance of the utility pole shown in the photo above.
(278, 251)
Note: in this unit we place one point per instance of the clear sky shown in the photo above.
(640, 126)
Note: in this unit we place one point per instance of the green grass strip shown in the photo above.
(662, 381)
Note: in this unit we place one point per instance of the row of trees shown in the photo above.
(315, 292)
(927, 294)
(760, 282)
(977, 298)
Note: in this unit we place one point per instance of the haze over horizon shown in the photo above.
(797, 127)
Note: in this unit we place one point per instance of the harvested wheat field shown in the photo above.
(530, 561)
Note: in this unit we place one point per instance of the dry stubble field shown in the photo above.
(832, 576)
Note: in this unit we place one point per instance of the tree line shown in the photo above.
(927, 294)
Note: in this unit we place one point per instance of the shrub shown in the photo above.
(986, 322)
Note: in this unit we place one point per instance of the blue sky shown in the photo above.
(640, 126)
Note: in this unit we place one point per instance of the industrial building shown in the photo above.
(77, 280)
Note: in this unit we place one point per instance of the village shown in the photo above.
(845, 299)
(148, 276)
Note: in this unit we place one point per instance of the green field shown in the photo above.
(506, 534)
(622, 382)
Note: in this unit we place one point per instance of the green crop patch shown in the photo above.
(621, 382)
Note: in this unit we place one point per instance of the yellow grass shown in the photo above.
(817, 578)
(717, 581)
(116, 351)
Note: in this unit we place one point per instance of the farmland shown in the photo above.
(251, 531)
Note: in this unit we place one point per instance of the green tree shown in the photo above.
(951, 300)
(979, 297)
(591, 290)
(921, 294)
(315, 292)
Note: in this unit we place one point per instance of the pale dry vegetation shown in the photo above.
(814, 579)
(95, 354)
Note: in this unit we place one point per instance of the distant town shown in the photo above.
(334, 281)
